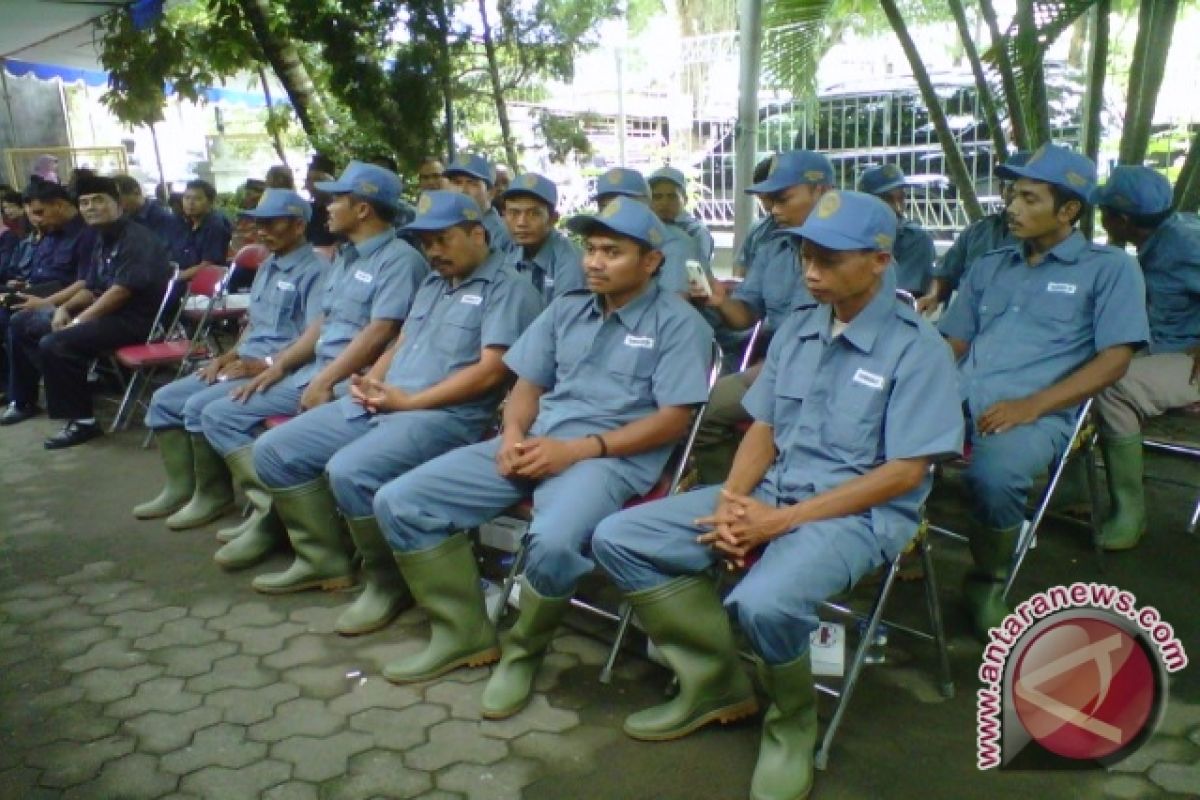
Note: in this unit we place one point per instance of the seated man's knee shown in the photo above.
(347, 481)
(764, 617)
(998, 490)
(269, 462)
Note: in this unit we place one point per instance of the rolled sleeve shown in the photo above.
(513, 306)
(924, 416)
(398, 284)
(681, 374)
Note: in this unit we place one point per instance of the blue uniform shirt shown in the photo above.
(693, 227)
(375, 279)
(677, 249)
(602, 373)
(1170, 261)
(773, 286)
(913, 255)
(498, 235)
(981, 236)
(162, 223)
(449, 326)
(208, 241)
(762, 228)
(556, 268)
(1030, 327)
(63, 255)
(884, 389)
(280, 299)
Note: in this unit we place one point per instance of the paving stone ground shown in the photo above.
(132, 667)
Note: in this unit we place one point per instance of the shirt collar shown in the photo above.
(368, 247)
(1068, 251)
(632, 312)
(544, 257)
(295, 258)
(484, 273)
(864, 328)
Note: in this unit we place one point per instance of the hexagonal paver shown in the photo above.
(255, 613)
(461, 698)
(316, 619)
(455, 740)
(377, 773)
(441, 794)
(186, 631)
(493, 782)
(325, 683)
(132, 777)
(160, 732)
(553, 666)
(211, 607)
(221, 745)
(260, 641)
(1181, 778)
(67, 763)
(114, 653)
(135, 622)
(107, 685)
(304, 649)
(300, 717)
(249, 781)
(34, 590)
(22, 782)
(90, 573)
(76, 643)
(587, 650)
(106, 591)
(571, 752)
(186, 661)
(248, 706)
(26, 610)
(292, 790)
(78, 722)
(1179, 717)
(399, 730)
(233, 672)
(375, 692)
(157, 694)
(62, 696)
(1130, 787)
(539, 715)
(72, 618)
(142, 599)
(319, 759)
(1159, 748)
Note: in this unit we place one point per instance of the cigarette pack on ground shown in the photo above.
(828, 647)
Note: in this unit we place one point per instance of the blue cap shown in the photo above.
(793, 168)
(668, 174)
(476, 166)
(1135, 190)
(439, 210)
(531, 183)
(1057, 166)
(276, 203)
(877, 180)
(1018, 158)
(845, 220)
(367, 181)
(624, 217)
(622, 181)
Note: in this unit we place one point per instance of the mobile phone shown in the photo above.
(697, 278)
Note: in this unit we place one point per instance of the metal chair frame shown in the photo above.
(1187, 451)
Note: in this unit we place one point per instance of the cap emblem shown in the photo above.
(828, 205)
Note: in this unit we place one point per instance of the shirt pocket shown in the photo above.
(624, 377)
(354, 301)
(854, 415)
(459, 331)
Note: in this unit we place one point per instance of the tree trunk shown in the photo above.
(489, 47)
(275, 139)
(1037, 113)
(285, 61)
(1187, 187)
(957, 167)
(1012, 97)
(447, 80)
(1156, 24)
(990, 114)
(1094, 97)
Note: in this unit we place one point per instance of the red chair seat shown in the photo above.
(276, 421)
(157, 354)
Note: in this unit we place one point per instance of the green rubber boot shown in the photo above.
(685, 619)
(521, 650)
(444, 580)
(1127, 516)
(214, 490)
(784, 770)
(318, 536)
(983, 590)
(384, 594)
(262, 532)
(175, 448)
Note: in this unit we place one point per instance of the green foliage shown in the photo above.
(566, 137)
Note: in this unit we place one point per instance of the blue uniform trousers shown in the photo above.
(230, 424)
(180, 403)
(360, 454)
(462, 490)
(1003, 467)
(775, 603)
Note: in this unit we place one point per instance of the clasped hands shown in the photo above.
(741, 524)
(540, 457)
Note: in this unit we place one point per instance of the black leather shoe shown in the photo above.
(73, 433)
(15, 413)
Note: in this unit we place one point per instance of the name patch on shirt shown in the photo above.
(471, 299)
(285, 286)
(1061, 288)
(639, 341)
(365, 277)
(869, 379)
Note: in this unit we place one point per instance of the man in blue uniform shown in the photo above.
(436, 389)
(677, 248)
(796, 180)
(857, 397)
(474, 176)
(981, 236)
(203, 237)
(364, 298)
(1135, 207)
(605, 386)
(1038, 328)
(913, 253)
(540, 251)
(668, 199)
(279, 303)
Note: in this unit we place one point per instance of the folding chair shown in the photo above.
(667, 485)
(1178, 449)
(144, 360)
(1082, 444)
